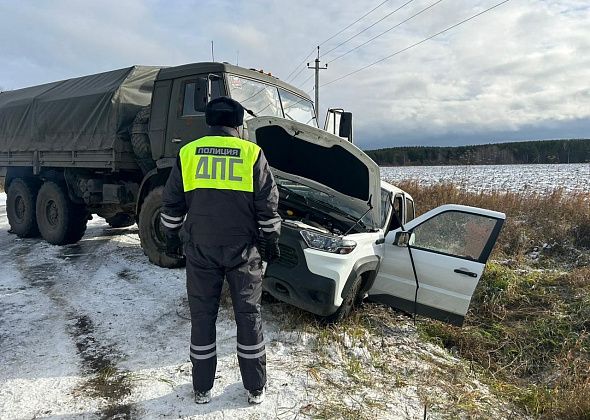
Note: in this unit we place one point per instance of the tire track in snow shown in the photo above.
(97, 359)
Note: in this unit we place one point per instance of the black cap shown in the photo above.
(224, 111)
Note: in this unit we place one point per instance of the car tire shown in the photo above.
(350, 301)
(60, 221)
(21, 198)
(121, 220)
(151, 236)
(140, 140)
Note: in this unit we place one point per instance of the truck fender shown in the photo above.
(368, 265)
(151, 180)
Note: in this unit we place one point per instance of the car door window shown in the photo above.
(459, 234)
(410, 211)
(385, 206)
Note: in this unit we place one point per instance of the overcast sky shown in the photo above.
(521, 71)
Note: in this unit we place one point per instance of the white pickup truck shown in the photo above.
(346, 234)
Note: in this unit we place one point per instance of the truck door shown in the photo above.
(186, 116)
(449, 246)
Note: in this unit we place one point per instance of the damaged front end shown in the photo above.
(329, 197)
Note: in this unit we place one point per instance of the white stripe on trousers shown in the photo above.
(252, 356)
(171, 218)
(252, 347)
(202, 348)
(203, 356)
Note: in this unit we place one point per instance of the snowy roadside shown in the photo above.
(94, 330)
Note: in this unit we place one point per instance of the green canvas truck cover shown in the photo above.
(90, 113)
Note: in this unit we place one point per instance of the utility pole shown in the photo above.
(317, 69)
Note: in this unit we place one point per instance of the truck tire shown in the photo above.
(60, 221)
(20, 208)
(140, 141)
(121, 220)
(152, 238)
(350, 301)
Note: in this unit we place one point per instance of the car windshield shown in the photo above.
(319, 198)
(268, 100)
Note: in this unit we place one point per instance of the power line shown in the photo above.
(415, 44)
(300, 64)
(330, 38)
(369, 27)
(388, 30)
(299, 72)
(306, 80)
(359, 19)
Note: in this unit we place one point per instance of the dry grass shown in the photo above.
(555, 225)
(529, 322)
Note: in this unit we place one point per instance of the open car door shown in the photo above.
(433, 266)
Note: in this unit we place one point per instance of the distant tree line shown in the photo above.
(543, 151)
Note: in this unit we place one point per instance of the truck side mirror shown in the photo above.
(201, 94)
(345, 129)
(339, 123)
(402, 238)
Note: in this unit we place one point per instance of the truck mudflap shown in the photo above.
(289, 280)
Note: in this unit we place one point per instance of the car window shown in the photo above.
(460, 234)
(410, 211)
(385, 206)
(189, 106)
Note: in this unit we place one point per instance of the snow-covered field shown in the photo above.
(93, 330)
(518, 178)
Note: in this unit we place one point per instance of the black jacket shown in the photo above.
(222, 217)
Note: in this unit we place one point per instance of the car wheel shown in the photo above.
(121, 220)
(20, 208)
(60, 220)
(350, 301)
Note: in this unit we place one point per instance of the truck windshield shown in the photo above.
(268, 100)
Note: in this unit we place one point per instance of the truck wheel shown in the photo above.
(121, 220)
(350, 301)
(152, 238)
(60, 221)
(20, 208)
(140, 141)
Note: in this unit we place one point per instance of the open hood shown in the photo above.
(320, 160)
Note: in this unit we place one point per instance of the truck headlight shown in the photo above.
(327, 243)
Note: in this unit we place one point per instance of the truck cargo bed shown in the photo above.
(81, 122)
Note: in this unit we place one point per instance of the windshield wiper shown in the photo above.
(359, 222)
(339, 211)
(289, 191)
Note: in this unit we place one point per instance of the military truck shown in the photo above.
(104, 144)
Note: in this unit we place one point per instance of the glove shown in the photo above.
(174, 246)
(272, 251)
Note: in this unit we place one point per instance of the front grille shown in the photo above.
(288, 255)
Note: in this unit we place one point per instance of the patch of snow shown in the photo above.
(72, 315)
(517, 178)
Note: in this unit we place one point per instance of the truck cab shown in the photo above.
(177, 116)
(181, 94)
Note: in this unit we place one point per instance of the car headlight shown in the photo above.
(327, 243)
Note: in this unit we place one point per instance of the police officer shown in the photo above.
(224, 186)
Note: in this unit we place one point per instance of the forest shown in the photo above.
(540, 151)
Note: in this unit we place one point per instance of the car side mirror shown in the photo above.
(402, 238)
(339, 123)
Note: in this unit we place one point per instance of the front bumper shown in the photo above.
(290, 280)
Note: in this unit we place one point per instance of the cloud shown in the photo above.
(520, 71)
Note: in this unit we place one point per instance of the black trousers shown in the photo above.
(206, 267)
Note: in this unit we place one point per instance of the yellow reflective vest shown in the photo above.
(218, 162)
